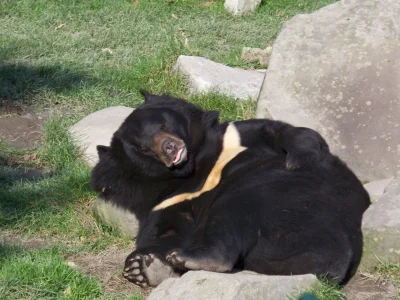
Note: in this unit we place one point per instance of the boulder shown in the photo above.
(205, 75)
(381, 227)
(337, 71)
(98, 129)
(118, 218)
(238, 7)
(198, 285)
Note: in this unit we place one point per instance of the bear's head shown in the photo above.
(162, 136)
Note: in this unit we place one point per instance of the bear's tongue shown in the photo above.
(178, 155)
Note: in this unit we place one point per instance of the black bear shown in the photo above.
(257, 195)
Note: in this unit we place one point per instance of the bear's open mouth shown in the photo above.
(180, 156)
(175, 150)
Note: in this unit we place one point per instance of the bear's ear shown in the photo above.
(210, 117)
(102, 150)
(146, 94)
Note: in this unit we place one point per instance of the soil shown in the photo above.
(7, 108)
(107, 267)
(31, 242)
(364, 286)
(21, 128)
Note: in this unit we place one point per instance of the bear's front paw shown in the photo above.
(135, 267)
(147, 270)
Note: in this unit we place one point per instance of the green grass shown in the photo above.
(58, 205)
(67, 68)
(43, 274)
(66, 74)
(327, 291)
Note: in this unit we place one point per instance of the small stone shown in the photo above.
(72, 264)
(381, 227)
(67, 291)
(239, 7)
(98, 129)
(244, 285)
(205, 75)
(253, 55)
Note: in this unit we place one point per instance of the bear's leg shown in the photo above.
(147, 269)
(300, 145)
(201, 259)
(214, 249)
(218, 244)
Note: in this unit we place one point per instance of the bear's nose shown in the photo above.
(169, 146)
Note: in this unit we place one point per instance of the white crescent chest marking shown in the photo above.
(231, 147)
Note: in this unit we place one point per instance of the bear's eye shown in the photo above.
(163, 127)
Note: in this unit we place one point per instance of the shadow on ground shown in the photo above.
(18, 173)
(39, 200)
(21, 81)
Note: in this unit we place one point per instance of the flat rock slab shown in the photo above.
(239, 7)
(381, 227)
(98, 129)
(118, 218)
(337, 71)
(205, 75)
(199, 285)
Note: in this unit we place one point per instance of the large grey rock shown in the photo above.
(238, 7)
(205, 75)
(376, 189)
(337, 71)
(120, 219)
(381, 227)
(202, 285)
(98, 129)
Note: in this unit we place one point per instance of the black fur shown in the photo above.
(284, 206)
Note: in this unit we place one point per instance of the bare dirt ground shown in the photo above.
(366, 286)
(107, 267)
(21, 128)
